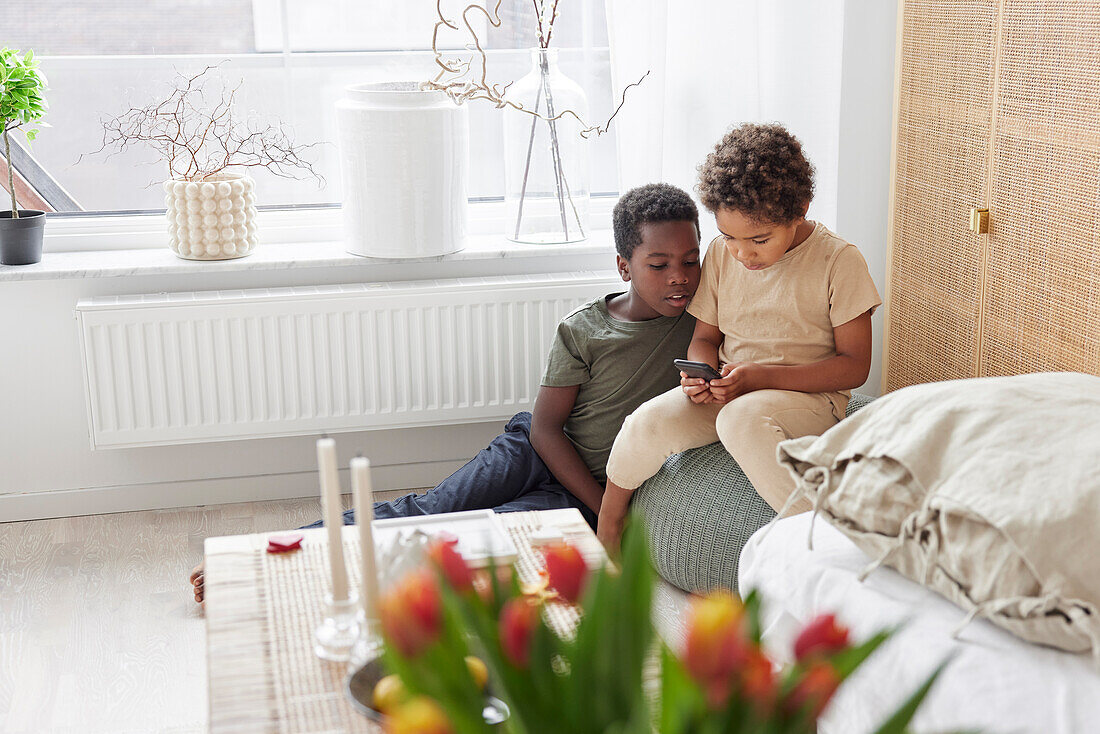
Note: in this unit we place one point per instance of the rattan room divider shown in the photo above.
(997, 108)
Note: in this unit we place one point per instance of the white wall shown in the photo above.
(865, 132)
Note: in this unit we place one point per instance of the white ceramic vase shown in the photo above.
(212, 219)
(404, 163)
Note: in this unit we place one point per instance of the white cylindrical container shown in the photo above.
(404, 163)
(211, 219)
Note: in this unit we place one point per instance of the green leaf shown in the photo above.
(752, 608)
(900, 719)
(681, 700)
(847, 661)
(21, 88)
(615, 633)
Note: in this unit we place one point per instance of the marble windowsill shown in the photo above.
(161, 261)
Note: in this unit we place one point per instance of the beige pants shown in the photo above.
(750, 427)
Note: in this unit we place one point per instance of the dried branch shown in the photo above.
(538, 5)
(457, 82)
(550, 25)
(198, 140)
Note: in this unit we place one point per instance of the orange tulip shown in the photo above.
(815, 690)
(412, 613)
(822, 636)
(451, 563)
(717, 645)
(567, 570)
(419, 715)
(517, 625)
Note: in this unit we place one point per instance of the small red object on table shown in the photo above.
(284, 543)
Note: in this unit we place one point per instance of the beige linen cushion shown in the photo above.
(985, 490)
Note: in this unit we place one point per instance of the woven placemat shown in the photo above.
(261, 610)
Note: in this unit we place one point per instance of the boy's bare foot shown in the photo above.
(197, 582)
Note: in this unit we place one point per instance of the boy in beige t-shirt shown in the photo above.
(783, 311)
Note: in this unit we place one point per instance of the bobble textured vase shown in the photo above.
(213, 219)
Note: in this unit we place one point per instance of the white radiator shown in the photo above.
(189, 367)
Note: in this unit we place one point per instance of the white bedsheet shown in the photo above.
(996, 683)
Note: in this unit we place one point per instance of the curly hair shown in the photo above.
(760, 171)
(657, 202)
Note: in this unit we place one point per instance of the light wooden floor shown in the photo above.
(98, 629)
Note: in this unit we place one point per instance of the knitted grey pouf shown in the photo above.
(699, 511)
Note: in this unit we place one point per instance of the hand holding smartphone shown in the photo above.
(699, 370)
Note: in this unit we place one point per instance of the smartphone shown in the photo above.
(702, 370)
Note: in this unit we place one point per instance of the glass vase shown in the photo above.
(545, 158)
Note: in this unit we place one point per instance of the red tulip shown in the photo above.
(420, 715)
(517, 625)
(758, 683)
(412, 613)
(451, 563)
(822, 636)
(814, 691)
(717, 646)
(567, 570)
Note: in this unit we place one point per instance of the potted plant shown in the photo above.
(22, 87)
(211, 208)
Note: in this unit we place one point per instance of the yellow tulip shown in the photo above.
(420, 715)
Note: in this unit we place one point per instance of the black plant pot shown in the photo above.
(21, 239)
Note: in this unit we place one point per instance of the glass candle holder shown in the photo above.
(368, 644)
(335, 636)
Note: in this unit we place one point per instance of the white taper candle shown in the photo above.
(362, 494)
(334, 522)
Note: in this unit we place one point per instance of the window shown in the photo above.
(294, 58)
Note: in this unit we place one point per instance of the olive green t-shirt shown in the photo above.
(618, 365)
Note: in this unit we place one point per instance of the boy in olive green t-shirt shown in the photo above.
(608, 357)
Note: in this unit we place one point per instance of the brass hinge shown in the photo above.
(979, 221)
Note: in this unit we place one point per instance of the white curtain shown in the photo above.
(717, 63)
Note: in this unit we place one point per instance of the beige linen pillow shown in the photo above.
(985, 490)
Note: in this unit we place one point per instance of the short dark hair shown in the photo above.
(759, 171)
(656, 202)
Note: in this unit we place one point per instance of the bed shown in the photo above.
(995, 683)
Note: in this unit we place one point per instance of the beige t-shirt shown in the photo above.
(785, 314)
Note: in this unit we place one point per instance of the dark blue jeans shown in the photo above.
(506, 476)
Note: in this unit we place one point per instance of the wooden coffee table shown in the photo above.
(261, 610)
